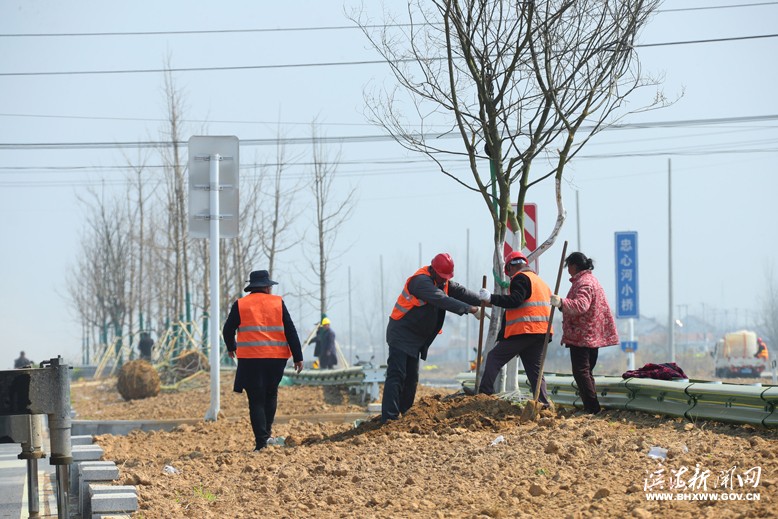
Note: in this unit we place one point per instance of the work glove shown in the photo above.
(484, 295)
(556, 301)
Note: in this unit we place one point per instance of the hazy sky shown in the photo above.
(723, 157)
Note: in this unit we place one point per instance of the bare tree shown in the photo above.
(278, 219)
(141, 188)
(98, 283)
(331, 213)
(176, 198)
(520, 87)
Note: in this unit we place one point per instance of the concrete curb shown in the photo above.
(92, 483)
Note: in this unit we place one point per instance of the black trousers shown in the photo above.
(583, 361)
(262, 394)
(529, 348)
(402, 377)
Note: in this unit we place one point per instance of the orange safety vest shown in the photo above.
(406, 300)
(532, 316)
(261, 331)
(762, 353)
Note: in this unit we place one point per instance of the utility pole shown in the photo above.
(350, 340)
(670, 319)
(383, 313)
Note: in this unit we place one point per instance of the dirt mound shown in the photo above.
(138, 380)
(438, 415)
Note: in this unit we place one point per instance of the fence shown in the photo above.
(694, 400)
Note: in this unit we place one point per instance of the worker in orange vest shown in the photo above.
(761, 352)
(416, 320)
(523, 329)
(266, 338)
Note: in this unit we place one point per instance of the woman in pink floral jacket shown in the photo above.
(587, 325)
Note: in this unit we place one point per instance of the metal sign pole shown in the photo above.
(631, 354)
(213, 198)
(213, 411)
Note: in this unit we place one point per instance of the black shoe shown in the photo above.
(468, 390)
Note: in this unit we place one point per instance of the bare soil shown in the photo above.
(451, 456)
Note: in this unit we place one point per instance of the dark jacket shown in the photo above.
(325, 348)
(414, 333)
(246, 372)
(22, 362)
(144, 346)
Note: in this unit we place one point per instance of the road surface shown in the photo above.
(13, 485)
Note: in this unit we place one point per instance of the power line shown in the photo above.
(202, 69)
(243, 166)
(309, 29)
(164, 120)
(365, 138)
(324, 64)
(743, 147)
(710, 7)
(710, 40)
(362, 173)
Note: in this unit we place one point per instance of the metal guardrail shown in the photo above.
(25, 395)
(326, 377)
(691, 399)
(364, 378)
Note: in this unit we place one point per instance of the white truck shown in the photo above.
(735, 355)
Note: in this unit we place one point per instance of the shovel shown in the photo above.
(480, 344)
(533, 407)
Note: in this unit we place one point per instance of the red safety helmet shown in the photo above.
(443, 265)
(514, 258)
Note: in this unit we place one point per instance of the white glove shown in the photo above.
(556, 301)
(484, 295)
(478, 314)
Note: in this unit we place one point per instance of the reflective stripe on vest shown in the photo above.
(406, 300)
(261, 331)
(532, 316)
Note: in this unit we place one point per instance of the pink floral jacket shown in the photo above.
(587, 319)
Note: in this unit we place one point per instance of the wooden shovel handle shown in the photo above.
(480, 342)
(550, 320)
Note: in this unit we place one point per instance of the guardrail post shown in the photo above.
(32, 392)
(32, 451)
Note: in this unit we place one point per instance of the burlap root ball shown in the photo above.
(138, 379)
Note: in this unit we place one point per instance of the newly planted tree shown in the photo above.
(518, 89)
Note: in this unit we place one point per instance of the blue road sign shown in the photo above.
(627, 275)
(629, 346)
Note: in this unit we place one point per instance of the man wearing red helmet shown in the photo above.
(523, 330)
(417, 318)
